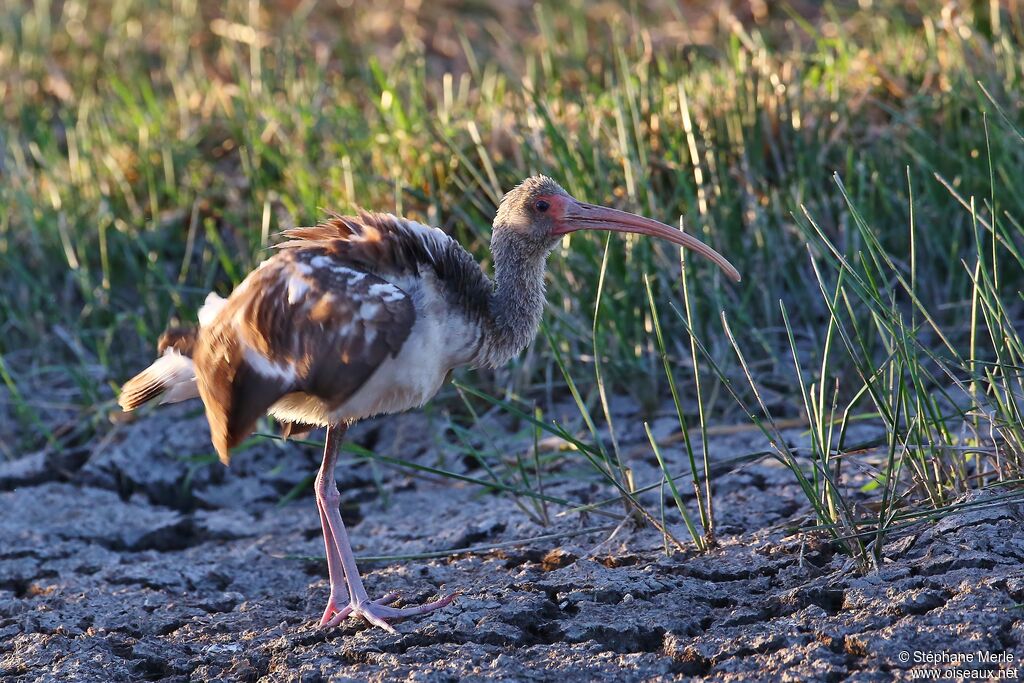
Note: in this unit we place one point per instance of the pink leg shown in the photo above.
(335, 570)
(341, 561)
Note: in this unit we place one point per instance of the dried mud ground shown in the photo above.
(127, 560)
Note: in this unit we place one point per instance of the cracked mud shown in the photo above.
(130, 561)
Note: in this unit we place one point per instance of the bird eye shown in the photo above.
(542, 205)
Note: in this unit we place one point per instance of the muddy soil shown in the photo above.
(127, 561)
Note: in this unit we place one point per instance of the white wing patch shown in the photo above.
(297, 287)
(214, 304)
(368, 310)
(321, 262)
(387, 292)
(283, 372)
(327, 263)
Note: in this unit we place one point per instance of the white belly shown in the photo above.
(406, 381)
(400, 383)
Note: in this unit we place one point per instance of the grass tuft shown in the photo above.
(861, 167)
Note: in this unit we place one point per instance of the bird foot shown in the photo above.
(334, 616)
(377, 611)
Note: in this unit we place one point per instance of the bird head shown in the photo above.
(538, 212)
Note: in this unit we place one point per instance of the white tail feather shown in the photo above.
(172, 375)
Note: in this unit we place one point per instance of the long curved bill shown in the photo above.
(583, 216)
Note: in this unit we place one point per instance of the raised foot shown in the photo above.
(377, 611)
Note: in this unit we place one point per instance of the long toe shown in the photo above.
(378, 612)
(333, 616)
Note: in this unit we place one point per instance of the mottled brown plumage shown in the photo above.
(364, 315)
(385, 244)
(312, 325)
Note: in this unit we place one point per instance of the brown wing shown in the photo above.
(382, 243)
(304, 322)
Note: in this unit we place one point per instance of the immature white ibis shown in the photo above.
(364, 315)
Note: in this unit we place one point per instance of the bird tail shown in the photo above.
(171, 377)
